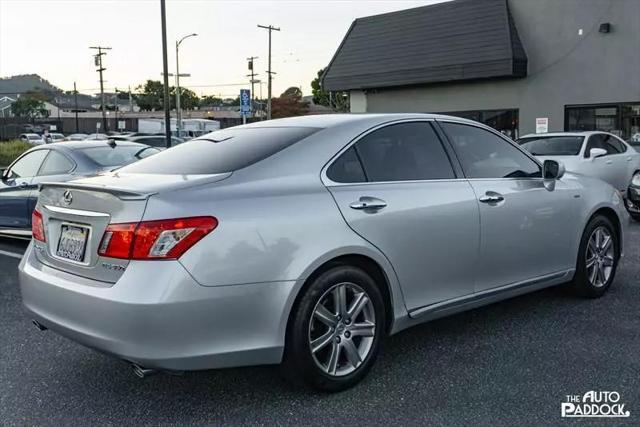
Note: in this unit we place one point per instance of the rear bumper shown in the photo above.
(157, 316)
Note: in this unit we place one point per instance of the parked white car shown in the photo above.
(598, 154)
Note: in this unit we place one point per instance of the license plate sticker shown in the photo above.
(73, 242)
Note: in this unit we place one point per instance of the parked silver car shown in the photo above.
(307, 240)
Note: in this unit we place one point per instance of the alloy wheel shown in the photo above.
(342, 329)
(600, 257)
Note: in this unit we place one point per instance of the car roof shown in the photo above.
(581, 133)
(330, 120)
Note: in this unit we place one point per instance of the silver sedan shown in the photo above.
(305, 241)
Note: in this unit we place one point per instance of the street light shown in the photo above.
(178, 110)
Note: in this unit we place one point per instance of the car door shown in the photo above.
(396, 187)
(15, 189)
(621, 175)
(525, 225)
(56, 167)
(601, 167)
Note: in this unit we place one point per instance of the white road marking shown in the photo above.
(11, 254)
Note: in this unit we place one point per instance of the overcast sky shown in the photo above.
(52, 38)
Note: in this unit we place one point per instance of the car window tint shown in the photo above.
(347, 168)
(55, 164)
(552, 145)
(118, 155)
(28, 165)
(221, 151)
(595, 141)
(404, 152)
(486, 155)
(612, 145)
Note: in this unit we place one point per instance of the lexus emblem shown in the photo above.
(67, 197)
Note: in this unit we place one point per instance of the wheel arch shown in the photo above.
(383, 275)
(612, 216)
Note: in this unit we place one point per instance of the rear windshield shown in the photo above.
(119, 155)
(221, 151)
(552, 145)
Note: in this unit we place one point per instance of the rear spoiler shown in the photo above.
(119, 193)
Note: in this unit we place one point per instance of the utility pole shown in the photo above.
(98, 62)
(116, 108)
(75, 95)
(178, 75)
(165, 67)
(269, 72)
(130, 100)
(253, 81)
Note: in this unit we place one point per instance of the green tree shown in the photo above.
(188, 99)
(338, 101)
(289, 104)
(29, 107)
(149, 96)
(210, 100)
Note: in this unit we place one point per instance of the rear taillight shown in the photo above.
(37, 226)
(164, 239)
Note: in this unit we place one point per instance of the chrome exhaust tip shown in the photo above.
(141, 372)
(39, 325)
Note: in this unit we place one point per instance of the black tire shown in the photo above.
(299, 364)
(582, 285)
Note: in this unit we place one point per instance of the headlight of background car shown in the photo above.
(635, 181)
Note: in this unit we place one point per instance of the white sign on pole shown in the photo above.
(542, 125)
(121, 124)
(53, 127)
(97, 126)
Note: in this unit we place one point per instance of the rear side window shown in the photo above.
(119, 155)
(221, 151)
(55, 164)
(347, 168)
(404, 152)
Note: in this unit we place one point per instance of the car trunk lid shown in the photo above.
(76, 214)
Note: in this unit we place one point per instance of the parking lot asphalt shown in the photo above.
(509, 363)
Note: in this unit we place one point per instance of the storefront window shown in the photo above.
(504, 121)
(620, 119)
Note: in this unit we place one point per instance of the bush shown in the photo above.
(10, 150)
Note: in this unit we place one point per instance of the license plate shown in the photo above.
(73, 242)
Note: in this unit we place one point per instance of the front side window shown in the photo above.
(552, 145)
(55, 164)
(28, 165)
(485, 155)
(404, 152)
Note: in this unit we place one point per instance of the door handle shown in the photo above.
(609, 162)
(24, 184)
(368, 203)
(629, 159)
(491, 197)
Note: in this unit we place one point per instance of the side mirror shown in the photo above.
(597, 152)
(552, 169)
